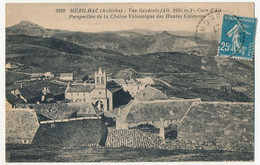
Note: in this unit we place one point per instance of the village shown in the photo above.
(102, 111)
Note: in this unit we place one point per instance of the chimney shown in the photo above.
(21, 85)
(38, 102)
(162, 133)
(43, 98)
(118, 112)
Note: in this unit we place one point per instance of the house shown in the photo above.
(132, 85)
(36, 76)
(21, 126)
(100, 93)
(146, 80)
(150, 93)
(13, 65)
(41, 91)
(66, 76)
(48, 75)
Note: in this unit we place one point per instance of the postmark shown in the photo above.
(208, 32)
(237, 37)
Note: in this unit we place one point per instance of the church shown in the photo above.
(99, 93)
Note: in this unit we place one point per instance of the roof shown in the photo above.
(8, 106)
(132, 81)
(149, 93)
(52, 110)
(32, 90)
(154, 110)
(81, 88)
(119, 81)
(146, 80)
(36, 74)
(66, 74)
(60, 110)
(12, 65)
(229, 124)
(72, 133)
(85, 109)
(113, 86)
(13, 99)
(21, 125)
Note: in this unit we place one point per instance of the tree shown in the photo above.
(85, 78)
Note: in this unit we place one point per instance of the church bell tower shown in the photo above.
(100, 79)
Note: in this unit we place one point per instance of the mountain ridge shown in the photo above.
(136, 41)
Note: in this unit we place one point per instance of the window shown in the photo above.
(71, 94)
(84, 100)
(100, 93)
(84, 94)
(77, 94)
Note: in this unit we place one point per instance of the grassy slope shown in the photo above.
(56, 55)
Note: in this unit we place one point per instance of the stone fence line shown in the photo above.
(67, 120)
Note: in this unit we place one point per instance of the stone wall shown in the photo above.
(230, 126)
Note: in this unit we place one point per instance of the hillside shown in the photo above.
(164, 55)
(135, 41)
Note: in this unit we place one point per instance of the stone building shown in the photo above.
(40, 91)
(66, 76)
(99, 93)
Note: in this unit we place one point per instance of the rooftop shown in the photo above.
(66, 74)
(55, 111)
(12, 99)
(150, 93)
(112, 86)
(19, 130)
(138, 111)
(81, 88)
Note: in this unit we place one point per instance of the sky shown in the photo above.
(45, 16)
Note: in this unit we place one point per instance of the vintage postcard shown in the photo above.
(129, 82)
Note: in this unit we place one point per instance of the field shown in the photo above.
(29, 153)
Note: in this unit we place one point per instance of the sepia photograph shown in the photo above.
(130, 82)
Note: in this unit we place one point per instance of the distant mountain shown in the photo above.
(136, 41)
(27, 28)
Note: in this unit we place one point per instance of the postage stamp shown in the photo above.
(209, 29)
(237, 37)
